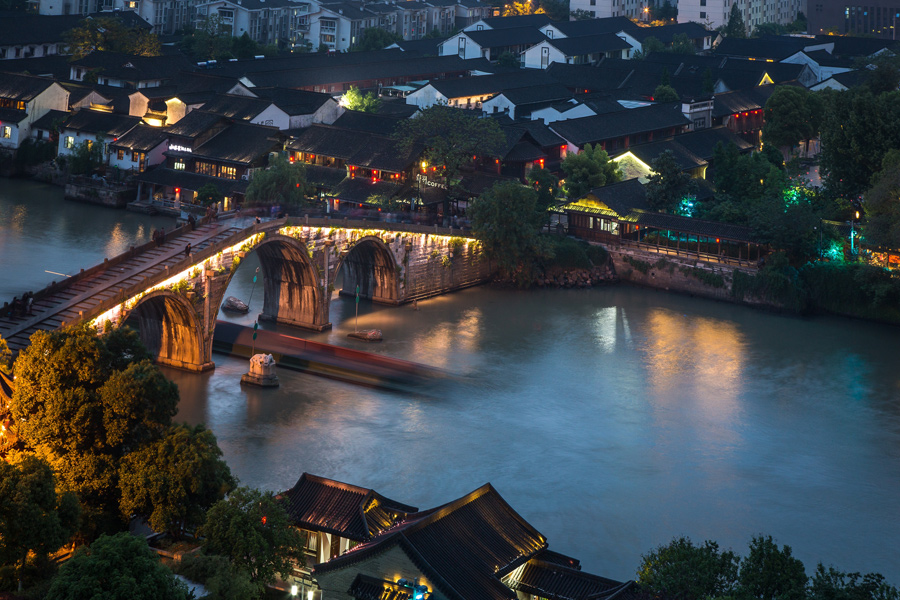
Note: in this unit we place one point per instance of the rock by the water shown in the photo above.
(367, 335)
(234, 305)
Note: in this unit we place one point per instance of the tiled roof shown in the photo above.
(194, 123)
(589, 44)
(425, 46)
(824, 58)
(128, 67)
(850, 79)
(55, 66)
(546, 93)
(350, 511)
(702, 143)
(517, 21)
(358, 148)
(53, 118)
(480, 85)
(240, 143)
(12, 115)
(359, 190)
(586, 130)
(727, 231)
(463, 547)
(93, 121)
(294, 102)
(324, 176)
(368, 122)
(524, 151)
(730, 103)
(498, 38)
(142, 138)
(556, 582)
(622, 198)
(236, 107)
(542, 134)
(191, 181)
(684, 158)
(22, 88)
(772, 47)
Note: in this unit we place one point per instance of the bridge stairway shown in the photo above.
(83, 296)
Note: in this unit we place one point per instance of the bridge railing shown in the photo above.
(372, 224)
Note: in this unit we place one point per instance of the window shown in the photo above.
(134, 156)
(228, 172)
(205, 168)
(120, 154)
(702, 15)
(7, 132)
(179, 165)
(702, 2)
(70, 142)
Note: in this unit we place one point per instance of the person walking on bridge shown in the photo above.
(187, 250)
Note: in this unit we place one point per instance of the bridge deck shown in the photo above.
(65, 302)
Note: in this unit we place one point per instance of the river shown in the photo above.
(611, 419)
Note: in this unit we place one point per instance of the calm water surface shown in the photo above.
(611, 419)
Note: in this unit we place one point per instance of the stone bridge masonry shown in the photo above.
(391, 264)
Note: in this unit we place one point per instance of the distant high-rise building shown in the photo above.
(715, 13)
(875, 17)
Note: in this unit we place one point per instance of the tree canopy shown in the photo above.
(119, 567)
(5, 357)
(281, 183)
(506, 219)
(881, 225)
(665, 93)
(83, 401)
(589, 169)
(376, 38)
(252, 529)
(681, 569)
(172, 481)
(109, 34)
(735, 27)
(33, 516)
(771, 573)
(668, 184)
(209, 194)
(792, 114)
(546, 184)
(213, 39)
(353, 99)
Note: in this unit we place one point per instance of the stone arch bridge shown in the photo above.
(175, 298)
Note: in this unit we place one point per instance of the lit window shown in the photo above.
(120, 154)
(7, 132)
(179, 165)
(70, 142)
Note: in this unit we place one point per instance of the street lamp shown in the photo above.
(852, 250)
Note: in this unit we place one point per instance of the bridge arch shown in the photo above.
(170, 329)
(293, 285)
(370, 264)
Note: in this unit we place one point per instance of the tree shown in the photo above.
(770, 573)
(668, 183)
(709, 85)
(650, 45)
(376, 38)
(735, 27)
(282, 183)
(523, 7)
(86, 157)
(355, 100)
(831, 584)
(33, 517)
(109, 34)
(209, 194)
(587, 170)
(506, 220)
(119, 567)
(83, 401)
(682, 44)
(509, 60)
(881, 226)
(557, 10)
(5, 357)
(212, 40)
(580, 15)
(665, 93)
(451, 138)
(681, 569)
(220, 578)
(252, 529)
(792, 114)
(546, 184)
(172, 481)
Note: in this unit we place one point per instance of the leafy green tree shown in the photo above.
(33, 517)
(5, 357)
(668, 183)
(86, 157)
(792, 114)
(857, 130)
(209, 194)
(355, 100)
(109, 34)
(882, 72)
(172, 481)
(735, 27)
(771, 573)
(546, 184)
(665, 93)
(220, 578)
(557, 10)
(211, 40)
(509, 60)
(376, 38)
(589, 169)
(282, 183)
(580, 15)
(244, 46)
(768, 29)
(252, 529)
(650, 45)
(682, 44)
(119, 567)
(507, 222)
(451, 138)
(83, 401)
(681, 569)
(881, 226)
(832, 584)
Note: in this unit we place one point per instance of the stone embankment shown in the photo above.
(578, 278)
